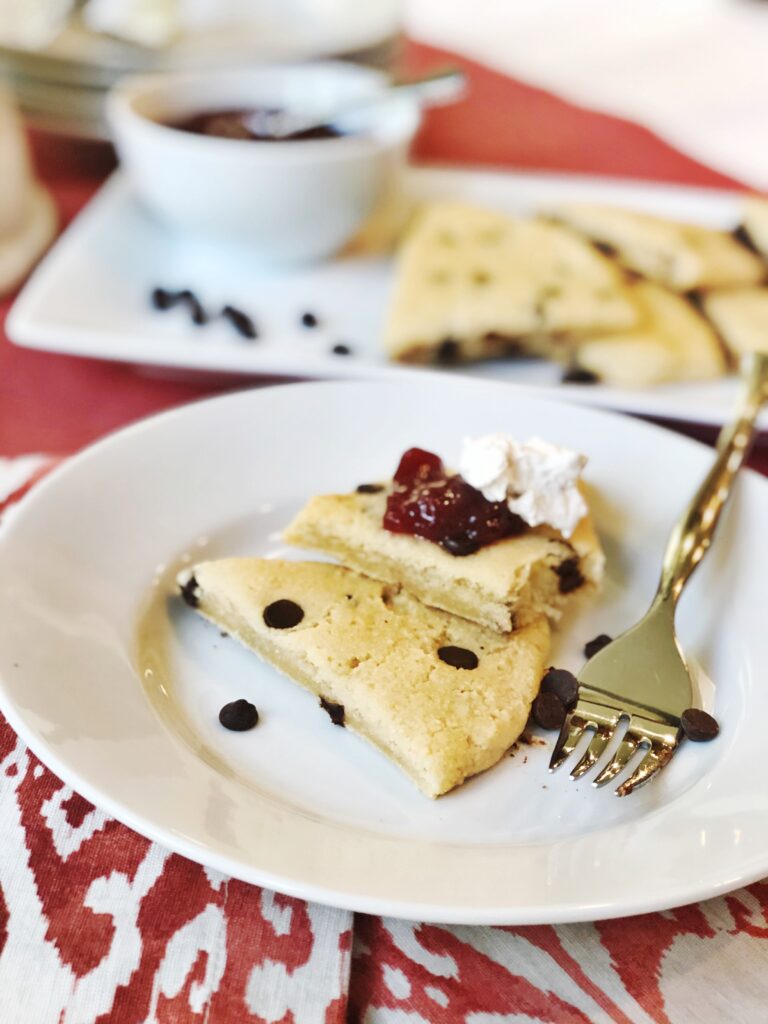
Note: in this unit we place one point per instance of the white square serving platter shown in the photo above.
(90, 295)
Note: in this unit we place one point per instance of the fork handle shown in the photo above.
(692, 535)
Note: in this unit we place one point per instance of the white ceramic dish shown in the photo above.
(349, 294)
(290, 201)
(299, 805)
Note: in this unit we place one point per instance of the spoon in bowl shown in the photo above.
(436, 89)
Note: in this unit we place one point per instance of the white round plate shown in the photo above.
(309, 809)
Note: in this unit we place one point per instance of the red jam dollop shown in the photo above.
(428, 502)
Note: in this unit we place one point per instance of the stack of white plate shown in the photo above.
(61, 87)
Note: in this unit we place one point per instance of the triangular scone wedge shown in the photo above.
(755, 223)
(741, 317)
(673, 342)
(474, 284)
(373, 649)
(681, 256)
(501, 586)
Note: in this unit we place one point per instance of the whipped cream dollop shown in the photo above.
(539, 481)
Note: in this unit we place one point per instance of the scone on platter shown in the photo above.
(741, 317)
(681, 256)
(673, 341)
(474, 284)
(442, 697)
(755, 223)
(452, 547)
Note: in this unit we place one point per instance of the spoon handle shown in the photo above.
(435, 89)
(440, 87)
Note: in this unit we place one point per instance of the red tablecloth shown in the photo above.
(99, 925)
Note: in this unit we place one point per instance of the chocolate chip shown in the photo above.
(481, 277)
(189, 592)
(240, 321)
(698, 725)
(239, 716)
(309, 320)
(335, 711)
(283, 614)
(570, 575)
(548, 711)
(161, 298)
(578, 375)
(696, 299)
(447, 351)
(606, 248)
(562, 684)
(510, 345)
(460, 545)
(341, 350)
(742, 235)
(198, 314)
(458, 657)
(164, 299)
(601, 641)
(369, 488)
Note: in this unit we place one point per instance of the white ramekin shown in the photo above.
(292, 201)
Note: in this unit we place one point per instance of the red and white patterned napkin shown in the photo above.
(100, 926)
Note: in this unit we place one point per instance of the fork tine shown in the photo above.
(592, 754)
(570, 734)
(621, 758)
(654, 760)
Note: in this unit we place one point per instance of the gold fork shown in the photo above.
(641, 677)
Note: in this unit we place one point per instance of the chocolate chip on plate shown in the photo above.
(601, 641)
(309, 320)
(562, 683)
(240, 321)
(698, 725)
(341, 350)
(335, 711)
(283, 614)
(369, 488)
(189, 592)
(198, 314)
(570, 575)
(578, 375)
(548, 711)
(239, 716)
(458, 657)
(161, 298)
